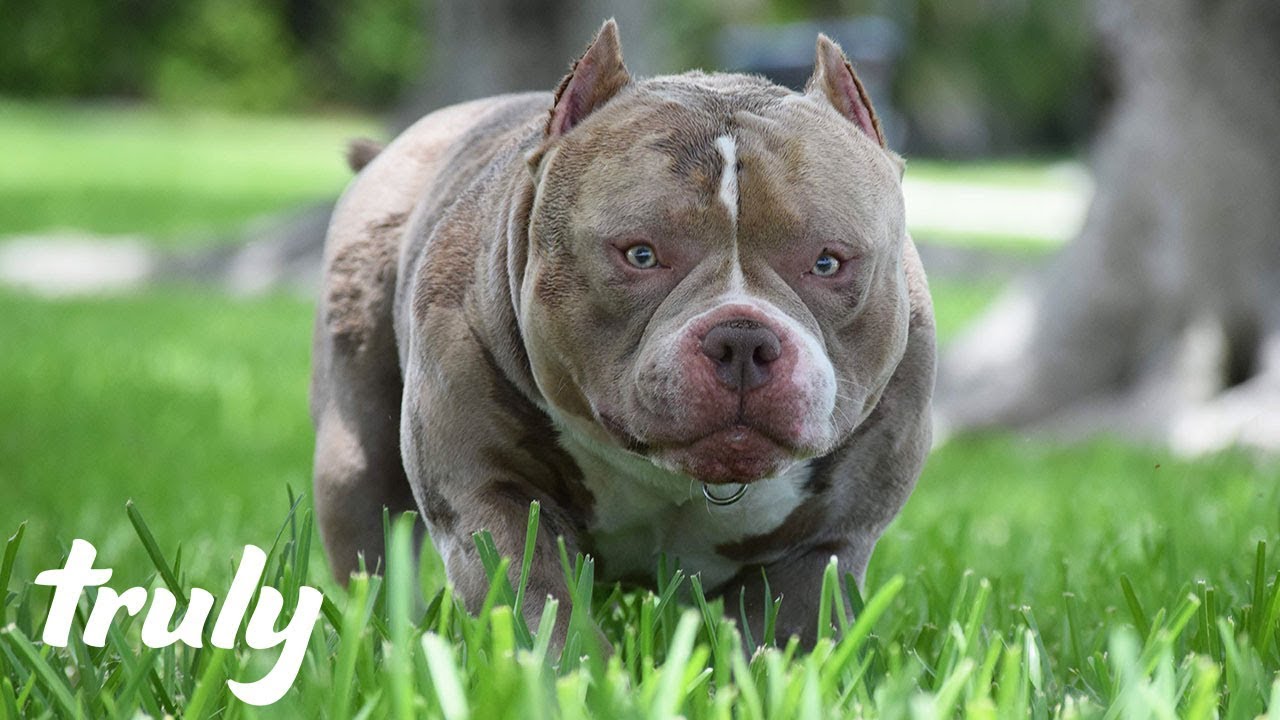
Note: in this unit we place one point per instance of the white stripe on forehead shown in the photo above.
(729, 175)
(729, 196)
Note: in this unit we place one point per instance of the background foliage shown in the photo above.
(974, 76)
(232, 54)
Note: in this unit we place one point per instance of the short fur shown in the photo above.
(361, 152)
(481, 341)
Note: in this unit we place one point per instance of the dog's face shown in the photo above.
(714, 275)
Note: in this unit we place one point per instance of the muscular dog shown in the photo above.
(682, 313)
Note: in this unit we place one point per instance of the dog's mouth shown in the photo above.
(736, 453)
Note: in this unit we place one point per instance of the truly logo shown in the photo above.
(78, 573)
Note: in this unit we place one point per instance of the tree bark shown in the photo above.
(1162, 319)
(487, 47)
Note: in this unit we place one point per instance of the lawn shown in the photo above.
(176, 177)
(1023, 579)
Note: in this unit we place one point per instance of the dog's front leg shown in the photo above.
(502, 508)
(797, 579)
(477, 452)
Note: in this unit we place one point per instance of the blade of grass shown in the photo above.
(1258, 611)
(350, 635)
(700, 599)
(849, 646)
(748, 640)
(830, 587)
(399, 583)
(153, 550)
(137, 668)
(51, 679)
(6, 569)
(1140, 620)
(771, 608)
(1271, 623)
(546, 630)
(523, 636)
(209, 687)
(494, 568)
(444, 677)
(666, 695)
(8, 700)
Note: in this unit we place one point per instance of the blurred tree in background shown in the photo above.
(1162, 319)
(262, 55)
(976, 77)
(983, 76)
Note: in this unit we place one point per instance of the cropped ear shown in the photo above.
(596, 76)
(834, 79)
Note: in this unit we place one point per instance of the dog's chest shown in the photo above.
(641, 512)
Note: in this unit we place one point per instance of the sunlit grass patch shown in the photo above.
(1205, 651)
(175, 177)
(1029, 172)
(182, 399)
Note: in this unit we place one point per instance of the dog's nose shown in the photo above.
(742, 351)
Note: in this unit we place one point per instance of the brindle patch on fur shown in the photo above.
(802, 524)
(448, 270)
(534, 452)
(553, 519)
(694, 156)
(361, 275)
(822, 471)
(559, 282)
(690, 142)
(437, 508)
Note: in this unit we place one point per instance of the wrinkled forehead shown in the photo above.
(767, 164)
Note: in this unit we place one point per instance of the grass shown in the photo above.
(172, 177)
(1023, 247)
(1003, 582)
(1206, 650)
(1043, 173)
(182, 399)
(1023, 578)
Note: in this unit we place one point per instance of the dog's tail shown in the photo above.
(361, 152)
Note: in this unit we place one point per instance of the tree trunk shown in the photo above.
(1162, 319)
(486, 47)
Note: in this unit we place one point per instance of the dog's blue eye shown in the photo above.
(826, 265)
(642, 256)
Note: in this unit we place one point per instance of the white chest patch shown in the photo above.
(642, 511)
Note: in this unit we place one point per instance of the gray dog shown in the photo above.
(682, 313)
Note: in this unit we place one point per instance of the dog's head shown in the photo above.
(714, 273)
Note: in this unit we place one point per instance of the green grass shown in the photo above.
(1023, 247)
(173, 177)
(1001, 583)
(1014, 172)
(191, 403)
(955, 303)
(969, 646)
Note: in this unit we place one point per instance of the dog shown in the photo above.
(682, 313)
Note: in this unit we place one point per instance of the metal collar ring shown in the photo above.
(722, 500)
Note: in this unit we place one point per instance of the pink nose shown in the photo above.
(742, 351)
